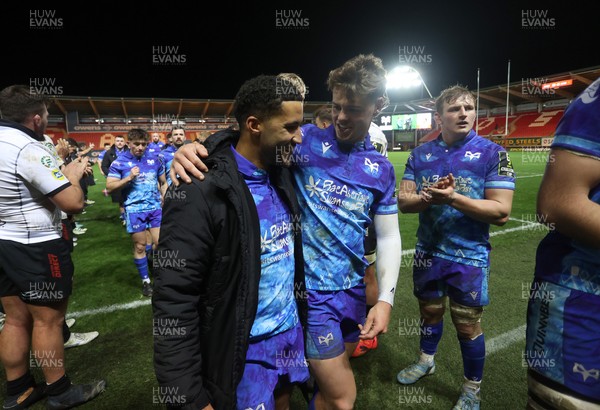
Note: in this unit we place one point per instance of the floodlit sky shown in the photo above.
(173, 51)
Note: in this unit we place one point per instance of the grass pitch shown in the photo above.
(107, 298)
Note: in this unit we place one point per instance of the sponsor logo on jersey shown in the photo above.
(325, 146)
(324, 340)
(47, 161)
(505, 167)
(57, 174)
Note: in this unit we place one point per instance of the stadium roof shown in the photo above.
(527, 90)
(141, 109)
(120, 109)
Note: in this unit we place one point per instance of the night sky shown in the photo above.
(207, 52)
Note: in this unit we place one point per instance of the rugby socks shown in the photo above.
(19, 385)
(142, 267)
(66, 332)
(473, 355)
(430, 337)
(59, 386)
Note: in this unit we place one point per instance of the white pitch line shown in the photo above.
(504, 340)
(110, 308)
(530, 176)
(409, 252)
(492, 346)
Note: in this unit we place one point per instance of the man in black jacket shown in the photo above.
(117, 149)
(229, 294)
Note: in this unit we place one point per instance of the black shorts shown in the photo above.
(39, 273)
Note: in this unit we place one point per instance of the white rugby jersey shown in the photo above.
(378, 139)
(29, 175)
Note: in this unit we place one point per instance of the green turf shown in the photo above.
(122, 354)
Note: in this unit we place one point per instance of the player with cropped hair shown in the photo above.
(139, 175)
(340, 178)
(459, 184)
(177, 136)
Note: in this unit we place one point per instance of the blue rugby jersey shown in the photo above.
(561, 259)
(277, 310)
(141, 194)
(477, 164)
(337, 186)
(166, 156)
(153, 149)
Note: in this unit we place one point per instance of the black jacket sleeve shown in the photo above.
(181, 262)
(106, 161)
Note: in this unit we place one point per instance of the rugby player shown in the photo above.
(459, 184)
(139, 175)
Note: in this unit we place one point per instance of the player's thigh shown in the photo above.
(468, 285)
(334, 377)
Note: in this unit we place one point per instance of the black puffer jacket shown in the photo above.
(110, 156)
(206, 288)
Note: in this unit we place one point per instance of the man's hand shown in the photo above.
(75, 170)
(440, 193)
(135, 171)
(88, 169)
(62, 148)
(187, 160)
(377, 321)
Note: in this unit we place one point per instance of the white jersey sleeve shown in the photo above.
(38, 166)
(378, 139)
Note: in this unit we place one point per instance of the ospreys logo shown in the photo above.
(325, 340)
(373, 167)
(505, 167)
(591, 93)
(594, 373)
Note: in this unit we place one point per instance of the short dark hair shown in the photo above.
(262, 96)
(137, 134)
(17, 103)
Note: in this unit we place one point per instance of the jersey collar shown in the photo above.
(457, 144)
(358, 146)
(22, 128)
(247, 168)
